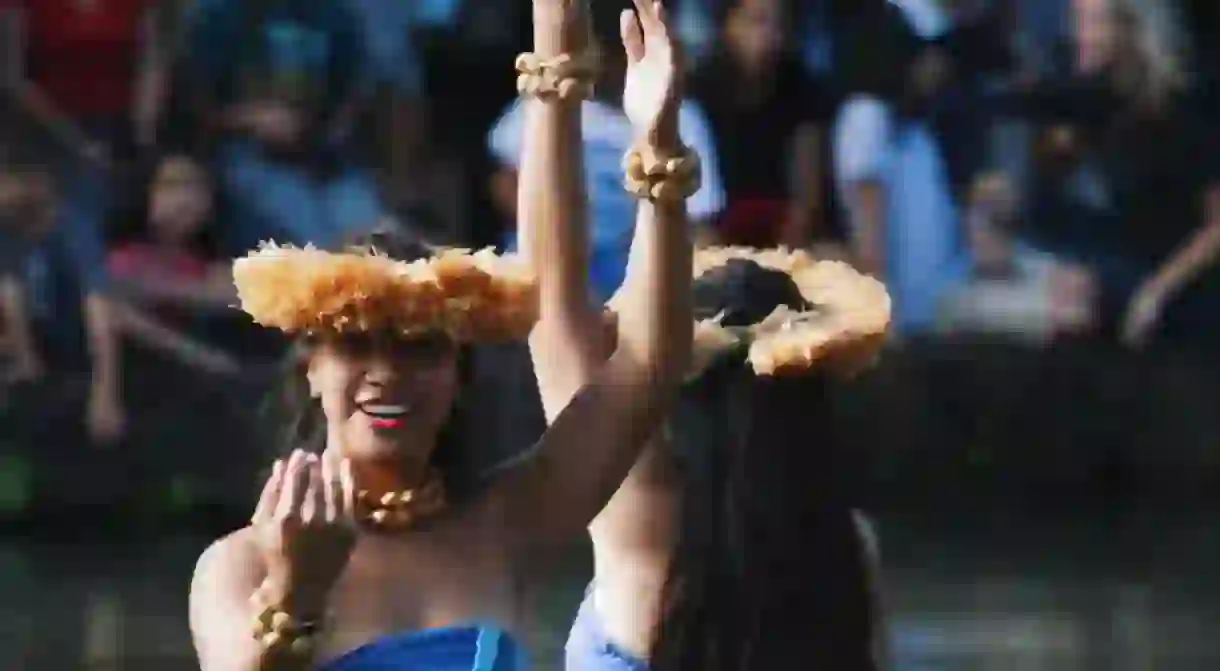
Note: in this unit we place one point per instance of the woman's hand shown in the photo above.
(652, 93)
(305, 529)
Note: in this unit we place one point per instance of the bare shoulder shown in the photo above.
(231, 562)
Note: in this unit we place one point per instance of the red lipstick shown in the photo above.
(386, 423)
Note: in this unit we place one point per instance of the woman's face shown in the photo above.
(180, 200)
(755, 31)
(385, 398)
(1097, 34)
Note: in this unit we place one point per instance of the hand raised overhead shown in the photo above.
(652, 92)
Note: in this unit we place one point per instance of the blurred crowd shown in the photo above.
(1031, 171)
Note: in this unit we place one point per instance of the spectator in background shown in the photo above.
(1004, 288)
(59, 313)
(890, 173)
(607, 136)
(91, 74)
(26, 218)
(166, 268)
(767, 115)
(396, 80)
(281, 81)
(421, 181)
(1129, 183)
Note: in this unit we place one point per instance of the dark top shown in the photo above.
(754, 133)
(1136, 180)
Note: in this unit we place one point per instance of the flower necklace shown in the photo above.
(400, 510)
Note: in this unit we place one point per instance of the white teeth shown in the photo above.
(385, 410)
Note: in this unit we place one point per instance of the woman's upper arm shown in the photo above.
(555, 493)
(226, 575)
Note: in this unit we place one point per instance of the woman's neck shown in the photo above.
(379, 476)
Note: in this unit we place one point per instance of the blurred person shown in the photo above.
(396, 80)
(92, 71)
(26, 217)
(420, 178)
(372, 521)
(167, 270)
(607, 135)
(59, 297)
(767, 115)
(280, 82)
(92, 75)
(1005, 288)
(1129, 179)
(890, 173)
(168, 255)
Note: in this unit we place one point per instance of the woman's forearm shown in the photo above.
(552, 222)
(16, 320)
(655, 324)
(104, 348)
(1199, 253)
(805, 186)
(868, 227)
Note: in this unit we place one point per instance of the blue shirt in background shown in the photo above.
(307, 52)
(607, 137)
(392, 56)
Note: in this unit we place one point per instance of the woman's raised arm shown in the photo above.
(568, 343)
(594, 440)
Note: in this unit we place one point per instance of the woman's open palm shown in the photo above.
(651, 93)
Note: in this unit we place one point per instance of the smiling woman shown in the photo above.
(410, 388)
(372, 547)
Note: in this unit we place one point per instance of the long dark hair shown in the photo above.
(299, 416)
(769, 570)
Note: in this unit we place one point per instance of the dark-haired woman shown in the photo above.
(377, 552)
(733, 545)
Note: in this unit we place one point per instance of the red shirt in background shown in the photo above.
(83, 54)
(146, 262)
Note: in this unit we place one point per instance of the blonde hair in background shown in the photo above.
(1152, 52)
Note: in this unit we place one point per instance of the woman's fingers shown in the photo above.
(332, 488)
(348, 483)
(271, 492)
(296, 481)
(643, 10)
(659, 15)
(633, 38)
(313, 509)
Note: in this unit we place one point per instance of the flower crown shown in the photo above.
(843, 330)
(470, 296)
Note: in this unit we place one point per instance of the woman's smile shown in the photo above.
(386, 415)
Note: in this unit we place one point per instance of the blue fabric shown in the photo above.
(590, 649)
(923, 226)
(607, 137)
(271, 200)
(921, 218)
(481, 648)
(393, 58)
(304, 49)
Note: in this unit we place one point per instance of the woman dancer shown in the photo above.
(700, 556)
(355, 558)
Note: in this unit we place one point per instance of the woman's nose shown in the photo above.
(381, 371)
